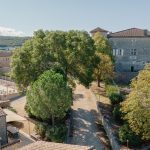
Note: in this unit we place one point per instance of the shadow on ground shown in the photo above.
(76, 97)
(86, 131)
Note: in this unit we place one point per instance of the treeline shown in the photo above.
(9, 41)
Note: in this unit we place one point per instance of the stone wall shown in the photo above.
(3, 130)
(5, 103)
(124, 77)
(108, 128)
(4, 69)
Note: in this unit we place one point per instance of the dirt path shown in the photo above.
(84, 117)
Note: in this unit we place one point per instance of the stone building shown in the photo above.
(100, 30)
(3, 128)
(5, 58)
(131, 49)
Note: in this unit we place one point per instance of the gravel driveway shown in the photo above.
(84, 117)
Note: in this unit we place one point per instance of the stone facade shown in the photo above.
(5, 59)
(3, 128)
(131, 54)
(131, 49)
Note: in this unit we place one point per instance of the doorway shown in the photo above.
(132, 68)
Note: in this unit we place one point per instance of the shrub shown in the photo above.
(50, 133)
(56, 133)
(125, 133)
(116, 98)
(111, 89)
(108, 82)
(117, 114)
(41, 129)
(49, 97)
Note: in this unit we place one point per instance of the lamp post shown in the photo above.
(127, 144)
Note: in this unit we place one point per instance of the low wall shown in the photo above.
(107, 126)
(4, 79)
(5, 69)
(4, 104)
(69, 124)
(124, 77)
(9, 96)
(3, 130)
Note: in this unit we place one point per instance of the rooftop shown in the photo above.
(5, 54)
(98, 29)
(132, 32)
(42, 145)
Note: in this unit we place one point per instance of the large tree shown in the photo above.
(31, 60)
(75, 52)
(71, 53)
(102, 45)
(104, 69)
(49, 97)
(137, 105)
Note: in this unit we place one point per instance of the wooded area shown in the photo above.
(12, 41)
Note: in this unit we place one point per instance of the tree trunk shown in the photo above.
(98, 82)
(66, 72)
(53, 121)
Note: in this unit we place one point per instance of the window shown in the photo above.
(133, 52)
(118, 52)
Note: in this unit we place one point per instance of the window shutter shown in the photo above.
(117, 51)
(122, 51)
(114, 52)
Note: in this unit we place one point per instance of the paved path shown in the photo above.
(84, 111)
(18, 104)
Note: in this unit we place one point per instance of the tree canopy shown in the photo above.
(11, 41)
(71, 53)
(137, 105)
(49, 97)
(102, 45)
(104, 69)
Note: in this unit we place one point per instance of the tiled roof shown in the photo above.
(98, 30)
(133, 32)
(2, 113)
(41, 145)
(5, 54)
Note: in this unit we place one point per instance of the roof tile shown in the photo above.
(133, 32)
(5, 54)
(98, 29)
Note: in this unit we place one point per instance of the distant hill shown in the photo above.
(11, 41)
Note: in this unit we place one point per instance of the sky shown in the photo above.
(23, 17)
